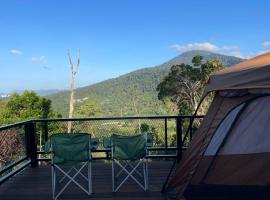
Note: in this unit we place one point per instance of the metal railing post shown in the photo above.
(166, 134)
(45, 131)
(31, 145)
(190, 129)
(179, 141)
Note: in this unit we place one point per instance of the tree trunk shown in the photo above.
(74, 69)
(71, 103)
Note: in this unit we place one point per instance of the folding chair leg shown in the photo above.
(144, 176)
(71, 179)
(68, 172)
(129, 174)
(127, 163)
(145, 170)
(53, 182)
(147, 175)
(90, 178)
(63, 178)
(119, 173)
(113, 188)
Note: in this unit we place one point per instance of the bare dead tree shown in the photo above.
(74, 70)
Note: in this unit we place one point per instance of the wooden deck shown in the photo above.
(35, 184)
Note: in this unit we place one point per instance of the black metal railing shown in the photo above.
(22, 144)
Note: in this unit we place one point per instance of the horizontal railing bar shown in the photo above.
(162, 156)
(93, 158)
(12, 173)
(148, 149)
(108, 158)
(117, 118)
(8, 167)
(161, 148)
(14, 125)
(43, 159)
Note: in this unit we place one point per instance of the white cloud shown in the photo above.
(16, 52)
(207, 46)
(39, 59)
(231, 50)
(265, 44)
(195, 46)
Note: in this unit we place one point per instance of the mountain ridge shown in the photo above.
(116, 95)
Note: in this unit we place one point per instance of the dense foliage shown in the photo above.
(25, 107)
(20, 108)
(89, 108)
(185, 83)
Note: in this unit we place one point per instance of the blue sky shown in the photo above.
(116, 37)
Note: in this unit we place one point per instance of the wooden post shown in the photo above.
(31, 145)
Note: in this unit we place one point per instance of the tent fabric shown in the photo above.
(241, 169)
(70, 148)
(219, 108)
(222, 131)
(250, 74)
(254, 120)
(129, 147)
(245, 156)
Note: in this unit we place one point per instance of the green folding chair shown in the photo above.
(129, 153)
(70, 152)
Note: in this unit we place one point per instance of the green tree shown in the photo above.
(144, 128)
(197, 60)
(90, 108)
(2, 105)
(184, 84)
(26, 107)
(21, 108)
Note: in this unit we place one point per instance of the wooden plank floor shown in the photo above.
(35, 184)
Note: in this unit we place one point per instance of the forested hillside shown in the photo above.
(134, 92)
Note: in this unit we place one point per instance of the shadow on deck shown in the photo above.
(35, 184)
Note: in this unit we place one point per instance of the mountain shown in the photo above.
(47, 92)
(41, 92)
(117, 96)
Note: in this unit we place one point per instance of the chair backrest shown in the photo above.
(70, 148)
(129, 147)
